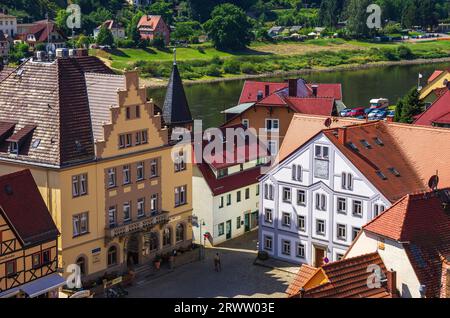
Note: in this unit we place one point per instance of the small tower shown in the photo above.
(176, 111)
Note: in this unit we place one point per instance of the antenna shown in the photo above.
(48, 34)
(433, 182)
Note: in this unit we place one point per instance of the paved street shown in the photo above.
(238, 278)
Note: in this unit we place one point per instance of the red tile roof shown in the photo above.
(434, 76)
(348, 279)
(312, 106)
(41, 29)
(251, 88)
(303, 276)
(438, 109)
(423, 226)
(25, 210)
(149, 21)
(378, 158)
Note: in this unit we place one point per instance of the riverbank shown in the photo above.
(160, 83)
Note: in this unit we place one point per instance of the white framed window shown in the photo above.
(341, 232)
(268, 242)
(347, 181)
(75, 186)
(300, 250)
(126, 174)
(238, 196)
(355, 232)
(221, 202)
(286, 247)
(153, 168)
(112, 216)
(247, 193)
(301, 223)
(137, 140)
(321, 202)
(378, 209)
(144, 136)
(140, 171)
(268, 215)
(121, 141)
(357, 208)
(301, 197)
(286, 194)
(111, 177)
(344, 180)
(180, 195)
(180, 161)
(286, 219)
(154, 203)
(127, 211)
(246, 123)
(320, 227)
(268, 191)
(228, 199)
(321, 152)
(79, 185)
(141, 207)
(342, 205)
(297, 172)
(272, 147)
(272, 124)
(83, 184)
(14, 147)
(80, 224)
(128, 140)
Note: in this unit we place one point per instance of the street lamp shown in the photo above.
(202, 239)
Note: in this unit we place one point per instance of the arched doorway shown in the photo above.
(132, 250)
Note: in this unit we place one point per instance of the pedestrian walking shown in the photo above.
(217, 265)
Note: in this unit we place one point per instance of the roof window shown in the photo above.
(353, 146)
(381, 175)
(366, 144)
(378, 141)
(394, 171)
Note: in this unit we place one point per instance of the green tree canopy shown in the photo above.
(410, 106)
(229, 27)
(105, 37)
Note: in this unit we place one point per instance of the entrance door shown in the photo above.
(228, 229)
(254, 220)
(319, 253)
(133, 250)
(247, 222)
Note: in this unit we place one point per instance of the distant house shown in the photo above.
(437, 80)
(295, 29)
(42, 32)
(8, 24)
(138, 3)
(116, 28)
(275, 31)
(5, 45)
(438, 114)
(153, 26)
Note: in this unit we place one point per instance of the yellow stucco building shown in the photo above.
(100, 154)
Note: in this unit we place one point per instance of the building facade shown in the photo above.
(8, 24)
(153, 26)
(117, 29)
(28, 248)
(316, 200)
(105, 170)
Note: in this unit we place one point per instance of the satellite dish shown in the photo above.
(433, 182)
(327, 122)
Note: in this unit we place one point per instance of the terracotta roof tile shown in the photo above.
(438, 109)
(421, 224)
(25, 210)
(303, 276)
(348, 279)
(434, 75)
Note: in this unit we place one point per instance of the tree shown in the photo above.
(408, 107)
(330, 11)
(229, 27)
(163, 9)
(61, 21)
(357, 18)
(83, 41)
(105, 37)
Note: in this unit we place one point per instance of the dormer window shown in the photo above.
(14, 148)
(378, 141)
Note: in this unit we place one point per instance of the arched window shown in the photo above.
(179, 232)
(167, 236)
(153, 243)
(81, 262)
(112, 256)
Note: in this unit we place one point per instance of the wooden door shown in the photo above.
(319, 256)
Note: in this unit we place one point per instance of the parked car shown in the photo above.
(377, 114)
(358, 111)
(345, 112)
(390, 113)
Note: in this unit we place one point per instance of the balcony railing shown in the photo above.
(141, 224)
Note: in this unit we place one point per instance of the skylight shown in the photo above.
(381, 175)
(394, 172)
(353, 146)
(378, 141)
(366, 144)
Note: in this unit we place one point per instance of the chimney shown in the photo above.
(391, 276)
(314, 90)
(342, 135)
(259, 96)
(292, 87)
(82, 52)
(390, 119)
(267, 90)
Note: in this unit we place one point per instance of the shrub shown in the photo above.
(125, 43)
(248, 68)
(216, 60)
(405, 52)
(213, 70)
(231, 66)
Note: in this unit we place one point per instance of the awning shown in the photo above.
(37, 287)
(238, 109)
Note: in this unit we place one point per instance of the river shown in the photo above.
(207, 100)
